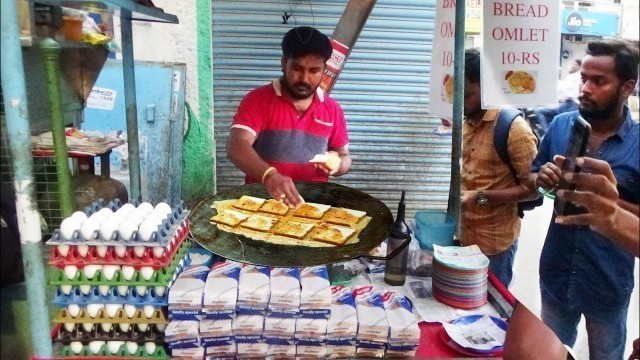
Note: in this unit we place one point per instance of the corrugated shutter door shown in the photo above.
(383, 90)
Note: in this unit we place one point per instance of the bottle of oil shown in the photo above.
(395, 271)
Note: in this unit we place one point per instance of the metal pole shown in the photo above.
(131, 107)
(458, 112)
(51, 55)
(19, 136)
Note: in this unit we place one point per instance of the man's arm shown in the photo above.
(241, 152)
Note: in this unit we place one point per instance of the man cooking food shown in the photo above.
(281, 126)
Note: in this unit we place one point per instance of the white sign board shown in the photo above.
(101, 98)
(441, 86)
(521, 53)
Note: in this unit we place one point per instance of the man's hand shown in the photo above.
(281, 188)
(331, 166)
(550, 174)
(595, 190)
(468, 199)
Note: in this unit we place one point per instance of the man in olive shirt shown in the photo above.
(490, 190)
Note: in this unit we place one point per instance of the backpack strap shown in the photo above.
(501, 134)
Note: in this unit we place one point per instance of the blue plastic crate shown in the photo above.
(434, 227)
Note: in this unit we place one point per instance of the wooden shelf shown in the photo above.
(138, 12)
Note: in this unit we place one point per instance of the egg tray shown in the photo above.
(175, 224)
(158, 317)
(160, 277)
(111, 258)
(86, 354)
(115, 334)
(150, 297)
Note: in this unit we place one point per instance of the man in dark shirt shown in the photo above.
(581, 271)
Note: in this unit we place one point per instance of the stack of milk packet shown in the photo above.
(282, 311)
(315, 311)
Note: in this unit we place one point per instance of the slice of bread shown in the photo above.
(311, 210)
(333, 234)
(329, 160)
(229, 217)
(273, 206)
(293, 229)
(259, 222)
(249, 203)
(342, 216)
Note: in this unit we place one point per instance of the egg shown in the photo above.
(96, 346)
(80, 216)
(120, 250)
(138, 213)
(148, 311)
(114, 346)
(109, 271)
(66, 289)
(143, 327)
(126, 228)
(130, 310)
(69, 326)
(87, 326)
(146, 207)
(147, 272)
(94, 309)
(160, 290)
(102, 250)
(83, 250)
(70, 271)
(139, 251)
(106, 211)
(128, 272)
(148, 230)
(123, 290)
(127, 207)
(68, 228)
(107, 229)
(112, 309)
(63, 250)
(161, 327)
(141, 290)
(150, 347)
(158, 251)
(85, 289)
(90, 270)
(104, 290)
(124, 327)
(106, 327)
(76, 347)
(132, 347)
(89, 228)
(164, 207)
(73, 310)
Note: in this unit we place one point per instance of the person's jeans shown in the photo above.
(501, 265)
(606, 329)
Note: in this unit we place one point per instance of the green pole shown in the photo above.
(51, 55)
(18, 134)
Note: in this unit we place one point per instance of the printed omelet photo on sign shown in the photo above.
(520, 82)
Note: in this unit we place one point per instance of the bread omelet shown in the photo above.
(269, 220)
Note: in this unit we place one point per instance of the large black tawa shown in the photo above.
(243, 249)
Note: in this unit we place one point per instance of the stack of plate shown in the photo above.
(460, 287)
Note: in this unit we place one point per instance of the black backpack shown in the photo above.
(500, 141)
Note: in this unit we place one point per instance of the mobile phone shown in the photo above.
(580, 132)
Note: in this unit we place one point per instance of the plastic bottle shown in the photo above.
(395, 271)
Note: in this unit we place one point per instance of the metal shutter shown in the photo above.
(383, 90)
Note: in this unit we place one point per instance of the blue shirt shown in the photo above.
(578, 266)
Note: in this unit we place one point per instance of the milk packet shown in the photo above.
(221, 291)
(285, 292)
(181, 334)
(185, 295)
(248, 325)
(343, 323)
(222, 352)
(253, 290)
(315, 329)
(281, 348)
(315, 296)
(373, 329)
(187, 353)
(218, 332)
(311, 349)
(251, 346)
(404, 332)
(346, 349)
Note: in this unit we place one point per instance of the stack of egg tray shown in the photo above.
(113, 293)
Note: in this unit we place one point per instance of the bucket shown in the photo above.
(434, 227)
(72, 28)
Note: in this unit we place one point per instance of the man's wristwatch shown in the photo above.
(481, 198)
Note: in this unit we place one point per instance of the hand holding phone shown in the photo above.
(578, 142)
